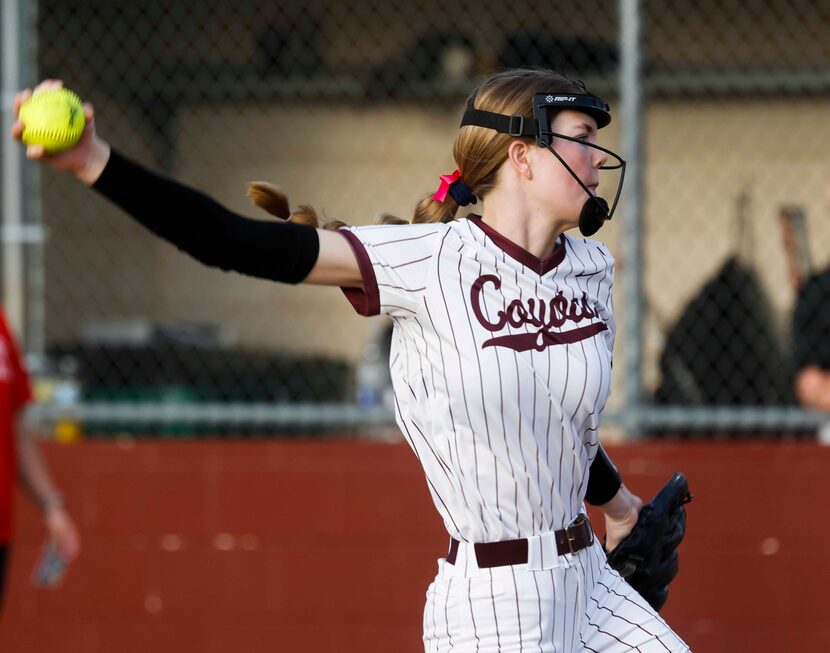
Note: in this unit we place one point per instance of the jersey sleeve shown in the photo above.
(395, 263)
(20, 385)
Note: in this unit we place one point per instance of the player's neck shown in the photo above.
(522, 225)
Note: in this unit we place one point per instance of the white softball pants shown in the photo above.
(553, 604)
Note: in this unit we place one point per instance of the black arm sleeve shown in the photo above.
(604, 480)
(200, 226)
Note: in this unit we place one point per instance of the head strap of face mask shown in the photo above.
(595, 211)
(539, 126)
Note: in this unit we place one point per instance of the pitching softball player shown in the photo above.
(501, 354)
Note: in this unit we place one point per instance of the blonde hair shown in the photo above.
(478, 151)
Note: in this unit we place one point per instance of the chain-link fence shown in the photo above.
(736, 215)
(352, 107)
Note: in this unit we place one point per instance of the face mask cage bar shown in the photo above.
(619, 165)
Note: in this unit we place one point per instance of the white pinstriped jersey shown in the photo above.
(501, 366)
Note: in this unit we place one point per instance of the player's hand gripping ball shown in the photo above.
(53, 119)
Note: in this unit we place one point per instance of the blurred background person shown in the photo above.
(20, 460)
(811, 343)
(811, 328)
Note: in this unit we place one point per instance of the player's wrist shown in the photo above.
(96, 161)
(51, 502)
(624, 507)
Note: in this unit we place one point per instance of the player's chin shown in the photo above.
(570, 219)
(565, 212)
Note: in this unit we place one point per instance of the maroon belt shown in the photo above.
(574, 538)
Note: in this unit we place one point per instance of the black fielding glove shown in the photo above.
(647, 558)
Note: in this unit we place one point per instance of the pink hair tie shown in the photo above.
(444, 188)
(454, 186)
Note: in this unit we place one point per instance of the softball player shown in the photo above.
(501, 354)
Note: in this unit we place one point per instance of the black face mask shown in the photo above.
(593, 215)
(595, 212)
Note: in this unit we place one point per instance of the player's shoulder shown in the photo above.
(407, 228)
(814, 291)
(416, 235)
(819, 280)
(4, 327)
(586, 246)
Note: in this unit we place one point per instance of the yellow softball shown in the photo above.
(54, 119)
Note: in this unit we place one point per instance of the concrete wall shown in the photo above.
(329, 546)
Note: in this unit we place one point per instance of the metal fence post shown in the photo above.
(13, 279)
(631, 90)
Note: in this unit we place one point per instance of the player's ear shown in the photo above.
(518, 157)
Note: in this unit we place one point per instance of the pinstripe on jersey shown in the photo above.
(501, 366)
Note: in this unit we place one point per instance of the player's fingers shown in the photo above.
(20, 98)
(89, 112)
(49, 85)
(35, 152)
(17, 130)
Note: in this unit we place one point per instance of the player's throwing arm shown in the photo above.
(60, 132)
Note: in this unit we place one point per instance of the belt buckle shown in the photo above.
(579, 520)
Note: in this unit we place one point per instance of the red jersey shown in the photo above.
(15, 392)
